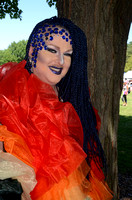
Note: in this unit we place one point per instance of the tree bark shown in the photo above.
(106, 24)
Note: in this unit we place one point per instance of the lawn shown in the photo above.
(125, 137)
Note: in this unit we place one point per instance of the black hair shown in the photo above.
(74, 87)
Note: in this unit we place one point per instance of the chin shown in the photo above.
(53, 83)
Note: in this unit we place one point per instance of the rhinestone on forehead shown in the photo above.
(47, 32)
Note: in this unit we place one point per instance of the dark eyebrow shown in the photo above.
(69, 50)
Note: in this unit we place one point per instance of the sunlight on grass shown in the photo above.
(126, 110)
(125, 137)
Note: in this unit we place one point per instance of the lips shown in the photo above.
(56, 70)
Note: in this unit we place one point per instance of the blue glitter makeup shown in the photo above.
(60, 32)
(47, 32)
(43, 31)
(41, 40)
(55, 31)
(51, 38)
(45, 47)
(51, 31)
(46, 25)
(43, 43)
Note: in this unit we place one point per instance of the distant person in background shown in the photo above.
(125, 93)
(129, 88)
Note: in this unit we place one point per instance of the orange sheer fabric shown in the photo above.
(74, 186)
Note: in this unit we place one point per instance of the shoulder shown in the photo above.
(9, 68)
(12, 76)
(5, 68)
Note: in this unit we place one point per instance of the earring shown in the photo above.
(30, 59)
(30, 63)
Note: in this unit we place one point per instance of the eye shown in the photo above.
(51, 50)
(68, 54)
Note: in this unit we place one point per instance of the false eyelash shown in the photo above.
(51, 50)
(68, 54)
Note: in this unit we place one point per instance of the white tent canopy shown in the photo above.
(128, 75)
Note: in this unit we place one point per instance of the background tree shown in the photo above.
(106, 25)
(15, 52)
(10, 7)
(128, 65)
(6, 56)
(18, 49)
(51, 2)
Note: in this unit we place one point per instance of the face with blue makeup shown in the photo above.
(54, 59)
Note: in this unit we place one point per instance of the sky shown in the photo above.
(34, 11)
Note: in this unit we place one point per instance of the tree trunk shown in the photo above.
(106, 24)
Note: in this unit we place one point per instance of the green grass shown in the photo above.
(125, 137)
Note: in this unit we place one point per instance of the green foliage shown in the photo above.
(6, 56)
(15, 52)
(18, 50)
(128, 65)
(51, 2)
(10, 7)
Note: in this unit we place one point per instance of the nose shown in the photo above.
(61, 59)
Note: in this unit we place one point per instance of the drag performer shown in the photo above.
(49, 129)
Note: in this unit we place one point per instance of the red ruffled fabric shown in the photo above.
(50, 129)
(5, 68)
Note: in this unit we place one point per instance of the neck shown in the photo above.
(55, 89)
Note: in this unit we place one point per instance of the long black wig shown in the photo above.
(74, 86)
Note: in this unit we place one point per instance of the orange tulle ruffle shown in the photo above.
(78, 187)
(75, 186)
(47, 135)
